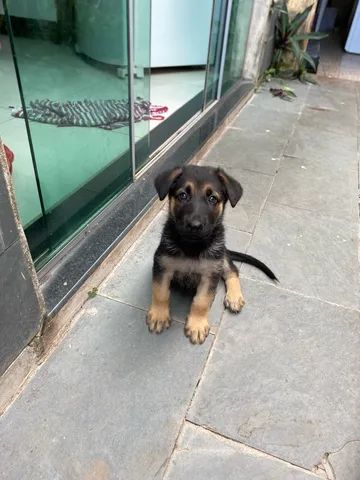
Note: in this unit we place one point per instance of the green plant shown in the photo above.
(92, 293)
(290, 58)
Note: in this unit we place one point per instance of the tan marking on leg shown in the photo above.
(158, 316)
(234, 300)
(197, 326)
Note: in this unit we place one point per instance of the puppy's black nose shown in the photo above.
(195, 225)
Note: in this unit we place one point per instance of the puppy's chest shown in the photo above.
(190, 266)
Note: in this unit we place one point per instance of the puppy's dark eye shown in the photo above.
(213, 200)
(182, 196)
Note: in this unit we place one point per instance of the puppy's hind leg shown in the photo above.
(158, 316)
(234, 300)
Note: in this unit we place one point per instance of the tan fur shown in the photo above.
(197, 326)
(158, 317)
(189, 265)
(220, 208)
(234, 299)
(172, 204)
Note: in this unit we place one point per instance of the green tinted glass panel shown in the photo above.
(236, 44)
(180, 33)
(215, 49)
(141, 76)
(72, 63)
(14, 136)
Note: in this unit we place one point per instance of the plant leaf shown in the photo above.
(309, 36)
(309, 59)
(298, 20)
(284, 24)
(294, 47)
(277, 57)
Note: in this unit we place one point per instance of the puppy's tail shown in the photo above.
(243, 257)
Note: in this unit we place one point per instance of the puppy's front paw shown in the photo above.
(158, 319)
(197, 329)
(234, 303)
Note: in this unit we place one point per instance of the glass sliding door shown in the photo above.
(103, 86)
(236, 42)
(218, 35)
(14, 136)
(72, 63)
(180, 33)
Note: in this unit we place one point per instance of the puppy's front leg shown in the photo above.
(234, 300)
(158, 317)
(197, 325)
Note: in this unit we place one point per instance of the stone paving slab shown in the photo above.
(130, 282)
(203, 455)
(345, 463)
(311, 254)
(321, 97)
(341, 150)
(316, 185)
(256, 188)
(341, 122)
(256, 120)
(264, 99)
(283, 376)
(108, 404)
(237, 149)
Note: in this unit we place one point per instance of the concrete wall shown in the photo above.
(260, 39)
(21, 304)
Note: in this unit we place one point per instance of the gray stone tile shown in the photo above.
(8, 228)
(255, 120)
(322, 186)
(341, 122)
(310, 254)
(20, 311)
(256, 189)
(283, 377)
(264, 99)
(307, 143)
(2, 244)
(345, 89)
(130, 282)
(345, 463)
(180, 302)
(341, 100)
(237, 149)
(300, 89)
(108, 403)
(203, 455)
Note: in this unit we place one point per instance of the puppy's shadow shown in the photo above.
(180, 303)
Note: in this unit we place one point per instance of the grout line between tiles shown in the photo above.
(200, 377)
(257, 451)
(300, 294)
(291, 134)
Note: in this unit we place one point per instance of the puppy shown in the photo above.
(192, 252)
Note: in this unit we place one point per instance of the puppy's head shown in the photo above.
(197, 197)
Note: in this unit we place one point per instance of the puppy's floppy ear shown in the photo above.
(233, 188)
(164, 181)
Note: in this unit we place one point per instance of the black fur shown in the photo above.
(180, 240)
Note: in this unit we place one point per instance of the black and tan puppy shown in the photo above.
(192, 250)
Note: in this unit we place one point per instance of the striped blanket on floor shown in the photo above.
(107, 114)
